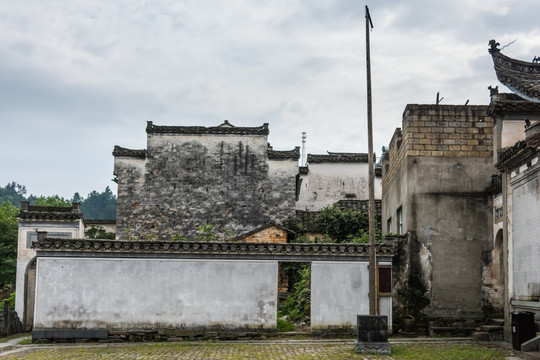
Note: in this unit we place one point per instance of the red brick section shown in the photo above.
(272, 234)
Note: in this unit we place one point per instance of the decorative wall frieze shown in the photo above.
(208, 248)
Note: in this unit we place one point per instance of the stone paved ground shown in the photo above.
(221, 350)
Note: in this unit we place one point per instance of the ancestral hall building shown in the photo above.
(226, 178)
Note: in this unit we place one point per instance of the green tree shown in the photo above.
(98, 232)
(77, 198)
(13, 192)
(8, 243)
(53, 200)
(341, 224)
(99, 206)
(298, 304)
(346, 226)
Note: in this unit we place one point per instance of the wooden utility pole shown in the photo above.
(371, 180)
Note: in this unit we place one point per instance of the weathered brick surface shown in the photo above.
(188, 180)
(439, 130)
(271, 234)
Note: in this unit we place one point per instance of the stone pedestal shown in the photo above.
(372, 335)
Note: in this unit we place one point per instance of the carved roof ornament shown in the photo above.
(522, 77)
(226, 123)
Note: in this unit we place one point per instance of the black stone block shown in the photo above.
(372, 336)
(372, 328)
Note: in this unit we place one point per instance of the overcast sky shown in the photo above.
(80, 76)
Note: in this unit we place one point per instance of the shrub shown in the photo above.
(298, 304)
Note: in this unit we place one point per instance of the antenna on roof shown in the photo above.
(303, 159)
(438, 100)
(467, 102)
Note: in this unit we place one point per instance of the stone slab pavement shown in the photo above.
(267, 350)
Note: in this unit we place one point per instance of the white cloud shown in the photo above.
(86, 75)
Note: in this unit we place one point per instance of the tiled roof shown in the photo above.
(210, 249)
(360, 205)
(120, 151)
(44, 213)
(288, 154)
(524, 147)
(100, 222)
(307, 220)
(508, 152)
(521, 77)
(511, 103)
(337, 158)
(199, 130)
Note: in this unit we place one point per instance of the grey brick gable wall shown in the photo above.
(188, 180)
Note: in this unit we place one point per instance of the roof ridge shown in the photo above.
(196, 130)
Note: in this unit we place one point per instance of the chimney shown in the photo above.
(493, 92)
(75, 207)
(303, 156)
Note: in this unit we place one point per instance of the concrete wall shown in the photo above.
(456, 231)
(526, 227)
(75, 293)
(186, 181)
(339, 292)
(438, 170)
(327, 183)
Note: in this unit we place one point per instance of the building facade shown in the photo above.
(58, 222)
(516, 208)
(436, 191)
(224, 179)
(333, 177)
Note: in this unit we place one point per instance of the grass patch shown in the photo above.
(27, 341)
(284, 325)
(206, 350)
(16, 336)
(447, 352)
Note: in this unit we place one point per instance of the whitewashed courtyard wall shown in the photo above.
(339, 292)
(84, 286)
(124, 294)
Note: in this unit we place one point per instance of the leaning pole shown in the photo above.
(371, 179)
(372, 329)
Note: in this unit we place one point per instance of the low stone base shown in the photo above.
(373, 348)
(113, 336)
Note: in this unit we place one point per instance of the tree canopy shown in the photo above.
(53, 200)
(343, 225)
(98, 206)
(13, 192)
(8, 243)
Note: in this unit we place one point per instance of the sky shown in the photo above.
(80, 76)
